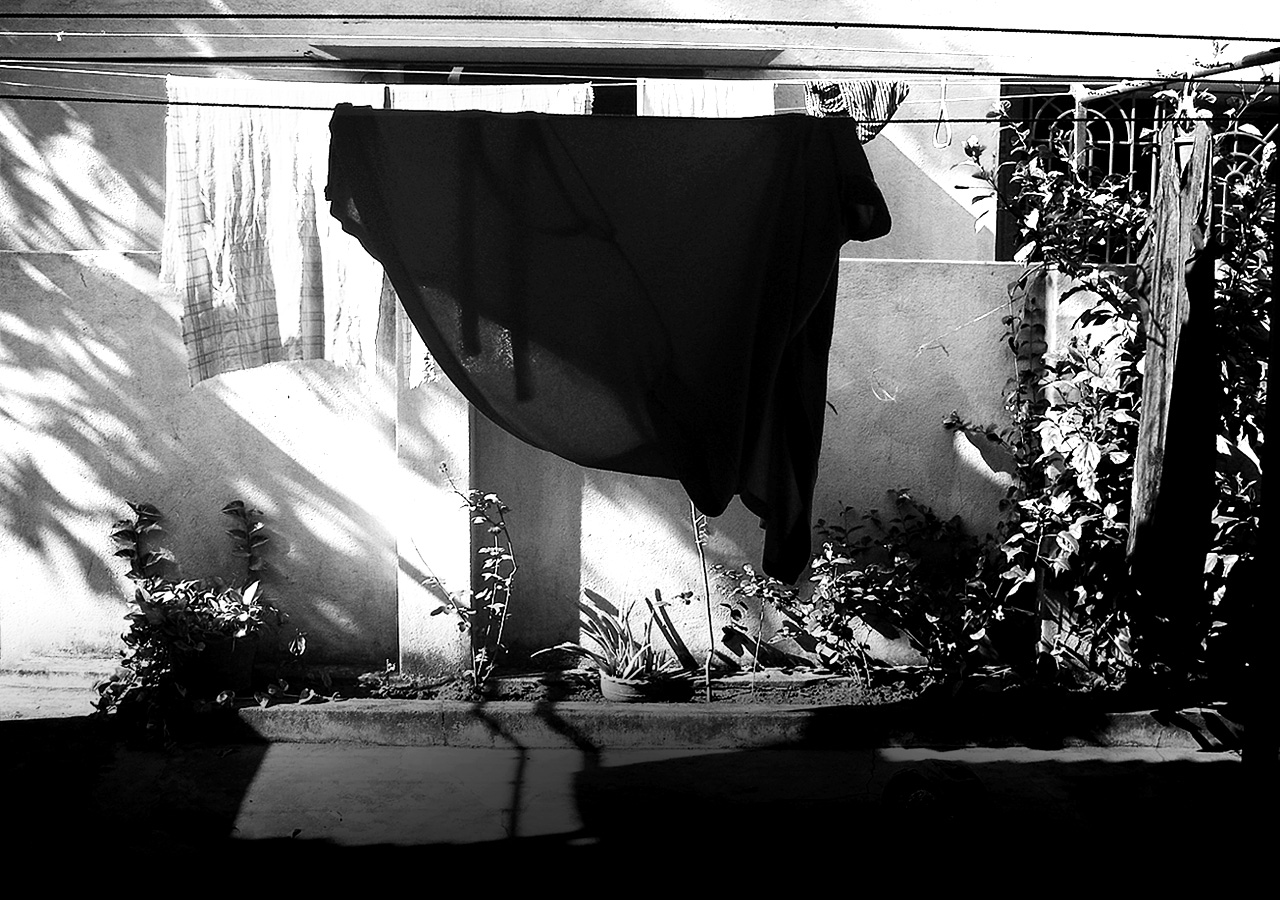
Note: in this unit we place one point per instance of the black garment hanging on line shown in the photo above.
(645, 295)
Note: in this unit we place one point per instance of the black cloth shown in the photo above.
(645, 295)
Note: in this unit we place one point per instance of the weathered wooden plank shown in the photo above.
(1173, 485)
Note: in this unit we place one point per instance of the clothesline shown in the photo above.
(103, 95)
(618, 83)
(896, 120)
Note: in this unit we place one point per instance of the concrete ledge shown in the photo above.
(594, 726)
(60, 687)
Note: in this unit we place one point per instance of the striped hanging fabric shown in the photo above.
(871, 102)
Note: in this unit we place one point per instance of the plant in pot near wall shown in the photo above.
(631, 669)
(188, 640)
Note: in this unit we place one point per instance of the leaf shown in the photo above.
(1067, 542)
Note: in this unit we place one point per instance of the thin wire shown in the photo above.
(102, 94)
(69, 71)
(640, 20)
(154, 101)
(621, 82)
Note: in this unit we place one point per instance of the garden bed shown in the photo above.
(914, 685)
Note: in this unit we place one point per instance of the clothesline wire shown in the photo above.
(626, 20)
(107, 94)
(136, 100)
(4, 66)
(157, 75)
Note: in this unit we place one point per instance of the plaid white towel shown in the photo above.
(249, 245)
(264, 271)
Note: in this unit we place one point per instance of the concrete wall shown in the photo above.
(95, 409)
(913, 342)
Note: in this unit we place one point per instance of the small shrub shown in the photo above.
(177, 625)
(911, 574)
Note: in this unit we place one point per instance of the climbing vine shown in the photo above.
(1073, 421)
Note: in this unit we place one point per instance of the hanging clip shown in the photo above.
(943, 127)
(455, 76)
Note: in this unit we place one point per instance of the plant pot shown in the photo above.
(645, 690)
(225, 664)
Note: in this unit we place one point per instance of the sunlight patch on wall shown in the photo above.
(59, 190)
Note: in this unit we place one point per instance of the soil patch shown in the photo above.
(984, 691)
(768, 687)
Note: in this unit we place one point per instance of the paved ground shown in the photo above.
(739, 809)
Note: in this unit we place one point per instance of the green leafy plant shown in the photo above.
(746, 587)
(618, 648)
(912, 573)
(485, 616)
(699, 523)
(1244, 281)
(179, 627)
(1074, 422)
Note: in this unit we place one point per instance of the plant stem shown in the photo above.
(506, 590)
(700, 539)
(755, 658)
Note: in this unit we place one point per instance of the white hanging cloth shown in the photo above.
(704, 99)
(263, 272)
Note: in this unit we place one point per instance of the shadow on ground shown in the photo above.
(73, 783)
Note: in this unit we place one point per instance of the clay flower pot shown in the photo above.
(645, 690)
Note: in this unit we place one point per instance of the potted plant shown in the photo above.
(192, 639)
(631, 669)
(204, 632)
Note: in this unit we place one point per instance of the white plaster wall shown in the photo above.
(95, 409)
(913, 341)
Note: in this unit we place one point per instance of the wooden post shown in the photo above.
(1173, 482)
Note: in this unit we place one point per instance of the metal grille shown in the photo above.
(1117, 137)
(1237, 151)
(1113, 137)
